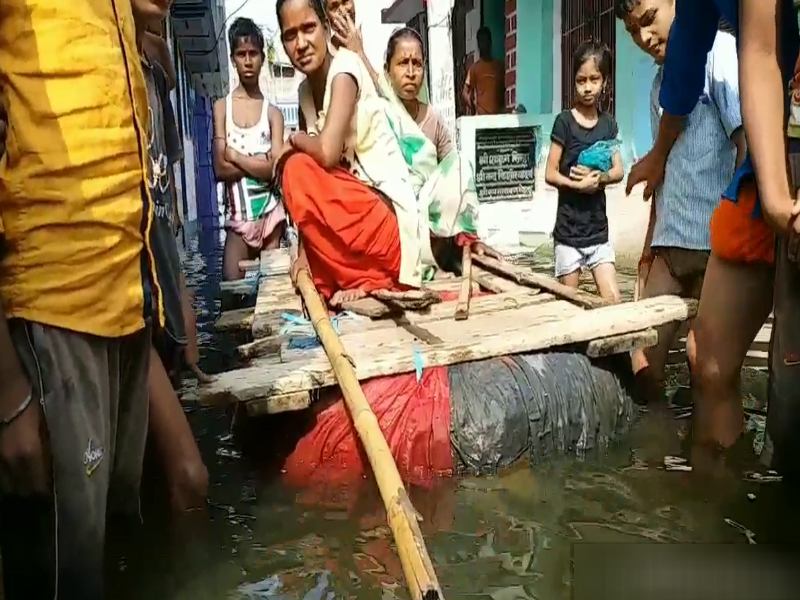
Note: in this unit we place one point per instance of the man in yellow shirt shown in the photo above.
(77, 285)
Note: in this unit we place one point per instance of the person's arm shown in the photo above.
(467, 91)
(326, 149)
(262, 167)
(156, 47)
(443, 139)
(552, 174)
(724, 90)
(224, 170)
(616, 173)
(763, 95)
(16, 385)
(691, 38)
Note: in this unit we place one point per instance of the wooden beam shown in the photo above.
(527, 277)
(389, 352)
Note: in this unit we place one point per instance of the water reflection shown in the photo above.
(506, 538)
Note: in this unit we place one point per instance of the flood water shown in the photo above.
(506, 538)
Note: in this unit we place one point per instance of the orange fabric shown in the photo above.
(487, 78)
(739, 236)
(349, 233)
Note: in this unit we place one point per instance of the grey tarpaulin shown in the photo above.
(541, 404)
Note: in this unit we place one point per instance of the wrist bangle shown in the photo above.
(19, 410)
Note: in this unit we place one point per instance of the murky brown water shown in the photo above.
(506, 538)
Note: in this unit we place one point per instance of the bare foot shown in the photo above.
(444, 275)
(344, 296)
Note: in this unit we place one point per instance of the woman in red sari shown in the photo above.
(345, 184)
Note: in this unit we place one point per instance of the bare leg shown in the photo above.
(235, 250)
(605, 278)
(273, 240)
(191, 352)
(735, 301)
(187, 476)
(660, 282)
(571, 279)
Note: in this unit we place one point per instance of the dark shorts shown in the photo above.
(94, 395)
(687, 267)
(782, 449)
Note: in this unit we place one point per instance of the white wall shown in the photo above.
(375, 34)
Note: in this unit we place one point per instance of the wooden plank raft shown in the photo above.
(518, 317)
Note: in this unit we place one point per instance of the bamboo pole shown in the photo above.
(548, 284)
(403, 519)
(464, 295)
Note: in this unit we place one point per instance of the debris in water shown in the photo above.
(751, 536)
(228, 453)
(751, 496)
(770, 477)
(271, 586)
(676, 463)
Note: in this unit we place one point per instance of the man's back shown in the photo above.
(71, 180)
(487, 79)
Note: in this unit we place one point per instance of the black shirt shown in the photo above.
(581, 219)
(164, 150)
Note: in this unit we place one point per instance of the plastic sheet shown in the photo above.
(545, 404)
(598, 155)
(414, 416)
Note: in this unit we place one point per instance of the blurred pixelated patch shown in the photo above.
(652, 571)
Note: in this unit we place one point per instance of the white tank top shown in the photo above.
(249, 199)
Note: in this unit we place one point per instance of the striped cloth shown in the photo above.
(701, 164)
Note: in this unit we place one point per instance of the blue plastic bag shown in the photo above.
(598, 156)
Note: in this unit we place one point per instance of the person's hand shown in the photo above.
(347, 34)
(279, 159)
(590, 183)
(231, 155)
(650, 171)
(24, 466)
(481, 249)
(578, 172)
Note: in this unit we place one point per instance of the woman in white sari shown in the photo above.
(442, 178)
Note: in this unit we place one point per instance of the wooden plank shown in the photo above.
(275, 262)
(245, 287)
(482, 305)
(393, 351)
(276, 295)
(494, 283)
(447, 284)
(249, 265)
(528, 277)
(241, 318)
(279, 404)
(622, 344)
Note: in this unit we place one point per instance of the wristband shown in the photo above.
(19, 410)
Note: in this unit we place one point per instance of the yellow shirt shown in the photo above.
(72, 204)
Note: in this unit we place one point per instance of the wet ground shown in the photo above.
(507, 538)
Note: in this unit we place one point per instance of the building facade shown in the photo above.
(538, 64)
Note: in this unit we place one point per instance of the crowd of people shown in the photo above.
(96, 328)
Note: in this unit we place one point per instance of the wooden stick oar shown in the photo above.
(403, 519)
(464, 295)
(529, 278)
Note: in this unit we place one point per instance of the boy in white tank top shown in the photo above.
(248, 132)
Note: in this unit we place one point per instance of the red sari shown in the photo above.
(349, 232)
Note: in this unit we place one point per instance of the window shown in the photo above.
(282, 71)
(582, 20)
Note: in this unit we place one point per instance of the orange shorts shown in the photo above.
(739, 236)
